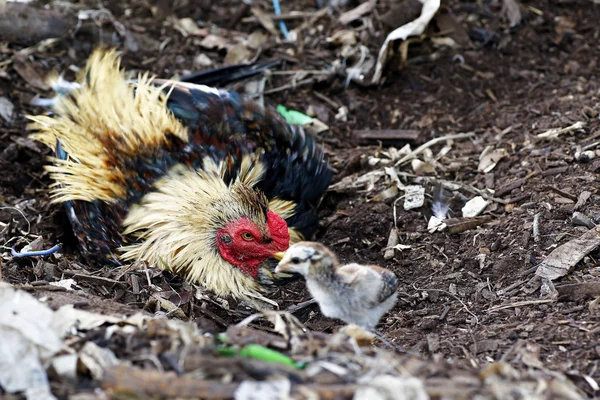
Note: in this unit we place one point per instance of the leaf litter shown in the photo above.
(522, 343)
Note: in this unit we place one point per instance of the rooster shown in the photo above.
(183, 177)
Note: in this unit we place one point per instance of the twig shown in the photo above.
(97, 279)
(452, 186)
(303, 71)
(453, 295)
(282, 17)
(47, 252)
(289, 86)
(410, 135)
(314, 19)
(22, 214)
(396, 348)
(520, 304)
(432, 142)
(297, 307)
(563, 193)
(49, 288)
(335, 106)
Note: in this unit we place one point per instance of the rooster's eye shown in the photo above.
(295, 260)
(247, 236)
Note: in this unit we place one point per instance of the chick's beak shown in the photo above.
(283, 265)
(281, 268)
(279, 256)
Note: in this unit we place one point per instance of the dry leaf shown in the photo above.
(238, 54)
(422, 168)
(512, 11)
(24, 68)
(214, 41)
(489, 158)
(343, 37)
(6, 109)
(187, 27)
(565, 257)
(265, 20)
(257, 39)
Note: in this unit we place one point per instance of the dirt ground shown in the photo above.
(468, 298)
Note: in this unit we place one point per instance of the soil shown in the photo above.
(507, 85)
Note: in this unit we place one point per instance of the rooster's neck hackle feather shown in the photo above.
(106, 112)
(177, 222)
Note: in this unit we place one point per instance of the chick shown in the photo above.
(356, 294)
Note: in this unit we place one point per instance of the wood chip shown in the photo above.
(578, 291)
(24, 68)
(410, 135)
(458, 225)
(583, 197)
(392, 241)
(506, 189)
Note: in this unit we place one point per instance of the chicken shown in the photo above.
(356, 294)
(181, 176)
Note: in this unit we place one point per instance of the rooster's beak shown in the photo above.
(279, 256)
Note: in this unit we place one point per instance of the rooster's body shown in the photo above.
(184, 177)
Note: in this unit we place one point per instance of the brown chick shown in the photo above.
(356, 294)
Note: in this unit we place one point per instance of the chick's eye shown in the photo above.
(247, 236)
(295, 260)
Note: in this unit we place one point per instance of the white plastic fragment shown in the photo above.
(27, 343)
(474, 207)
(6, 109)
(414, 197)
(413, 28)
(264, 390)
(435, 224)
(65, 283)
(65, 366)
(384, 387)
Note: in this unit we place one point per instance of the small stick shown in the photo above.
(297, 307)
(420, 149)
(289, 86)
(456, 297)
(282, 17)
(520, 304)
